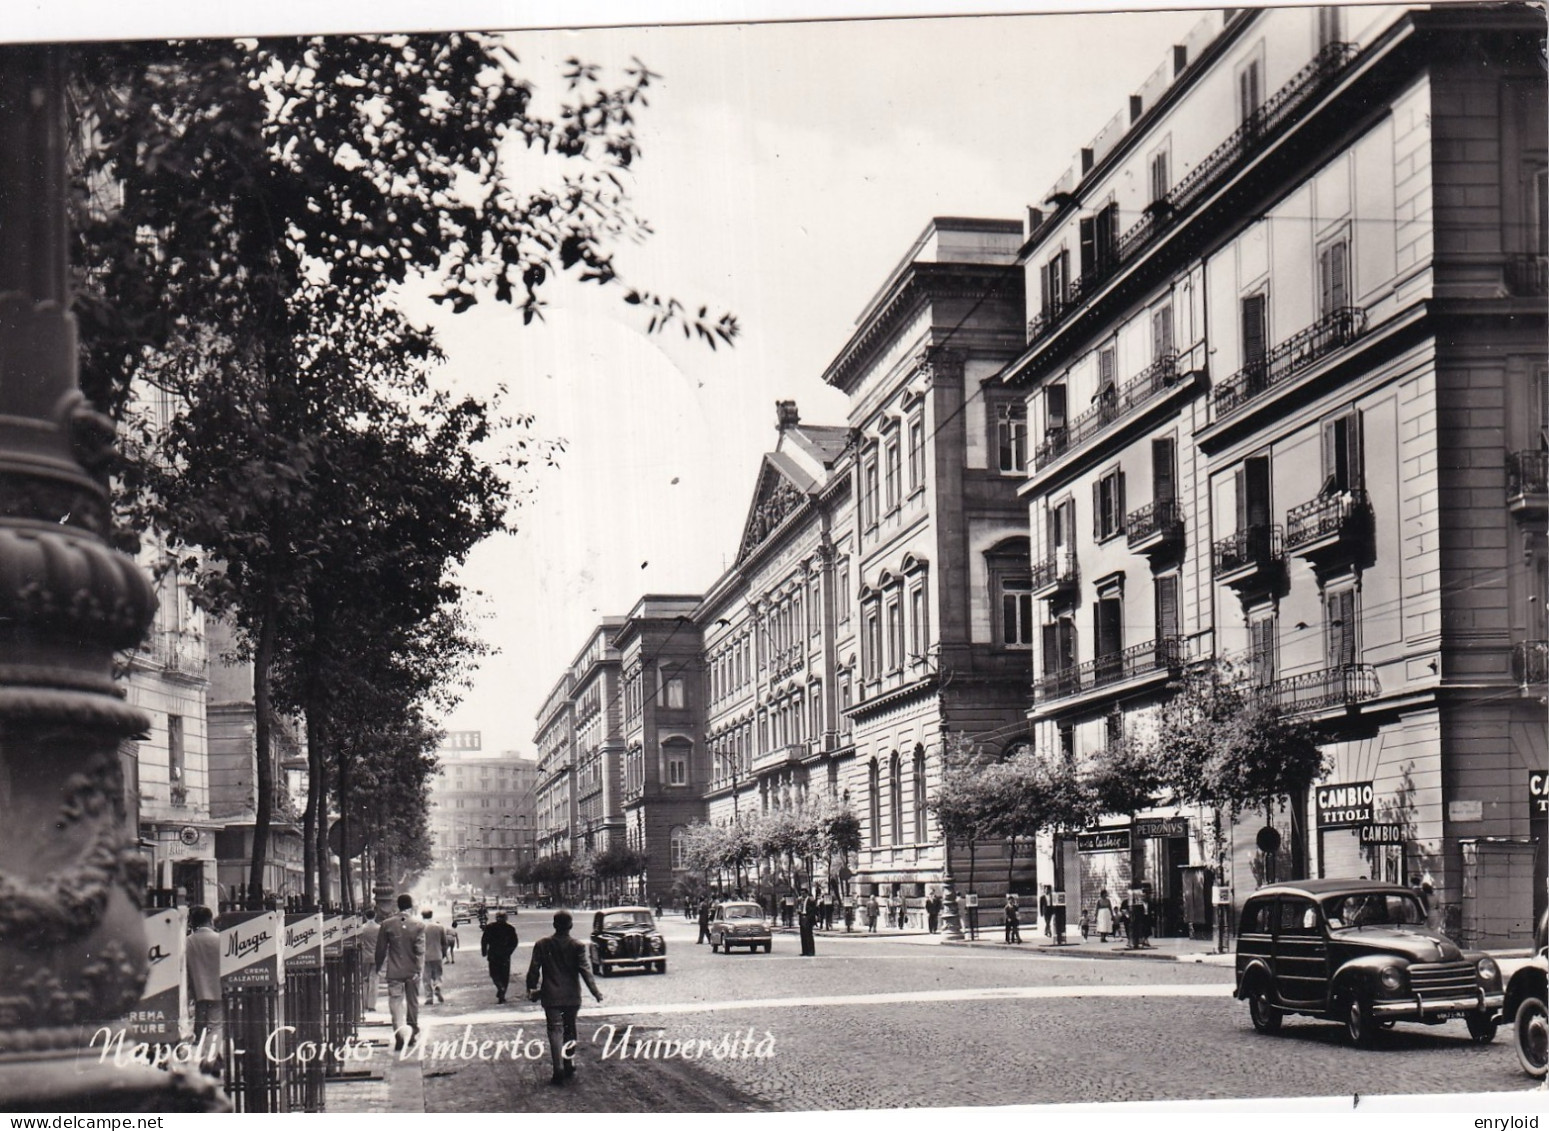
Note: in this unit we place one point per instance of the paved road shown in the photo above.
(878, 1023)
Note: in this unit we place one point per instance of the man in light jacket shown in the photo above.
(400, 958)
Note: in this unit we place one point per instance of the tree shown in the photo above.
(1124, 779)
(965, 803)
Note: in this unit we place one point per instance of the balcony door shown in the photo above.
(1108, 626)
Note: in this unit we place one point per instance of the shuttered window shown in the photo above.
(1333, 277)
(1342, 453)
(1255, 332)
(1340, 610)
(1164, 487)
(1166, 591)
(1162, 332)
(1261, 633)
(1108, 506)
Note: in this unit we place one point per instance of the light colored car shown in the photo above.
(739, 924)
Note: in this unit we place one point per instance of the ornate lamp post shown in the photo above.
(72, 945)
(951, 917)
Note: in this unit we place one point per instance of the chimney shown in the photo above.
(1034, 218)
(1180, 58)
(1088, 156)
(1136, 108)
(785, 415)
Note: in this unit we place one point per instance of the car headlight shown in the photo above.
(656, 943)
(607, 944)
(1488, 970)
(1391, 977)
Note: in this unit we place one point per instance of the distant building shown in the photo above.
(483, 815)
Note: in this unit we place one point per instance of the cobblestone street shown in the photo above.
(986, 1026)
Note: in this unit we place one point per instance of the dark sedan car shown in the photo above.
(739, 924)
(1525, 1010)
(627, 936)
(1358, 952)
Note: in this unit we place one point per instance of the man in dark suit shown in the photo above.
(806, 916)
(497, 944)
(704, 921)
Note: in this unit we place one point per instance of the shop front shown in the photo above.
(1343, 809)
(1149, 855)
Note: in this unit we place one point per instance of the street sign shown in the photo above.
(1159, 828)
(1538, 793)
(1344, 806)
(1103, 840)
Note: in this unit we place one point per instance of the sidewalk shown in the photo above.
(387, 1084)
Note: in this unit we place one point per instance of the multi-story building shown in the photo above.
(666, 769)
(555, 789)
(483, 815)
(1286, 343)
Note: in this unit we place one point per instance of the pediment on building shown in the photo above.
(775, 498)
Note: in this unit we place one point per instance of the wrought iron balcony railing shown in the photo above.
(1528, 275)
(1164, 654)
(1054, 572)
(1112, 405)
(1328, 687)
(177, 651)
(1158, 521)
(1256, 131)
(1530, 661)
(1332, 332)
(1257, 547)
(1336, 515)
(1527, 473)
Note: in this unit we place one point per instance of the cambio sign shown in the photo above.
(1345, 806)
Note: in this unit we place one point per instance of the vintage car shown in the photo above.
(462, 912)
(1358, 952)
(1524, 1009)
(627, 936)
(739, 924)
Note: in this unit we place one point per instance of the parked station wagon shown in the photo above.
(1358, 952)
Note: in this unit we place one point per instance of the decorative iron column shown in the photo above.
(72, 943)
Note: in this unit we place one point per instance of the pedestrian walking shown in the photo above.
(806, 912)
(1012, 920)
(826, 911)
(497, 944)
(873, 909)
(849, 916)
(559, 965)
(204, 988)
(436, 947)
(933, 912)
(902, 912)
(400, 958)
(452, 943)
(1104, 915)
(1085, 925)
(704, 921)
(1046, 910)
(368, 936)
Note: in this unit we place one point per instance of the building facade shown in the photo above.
(483, 815)
(1285, 366)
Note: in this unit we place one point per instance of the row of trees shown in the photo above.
(1219, 744)
(606, 870)
(776, 848)
(247, 216)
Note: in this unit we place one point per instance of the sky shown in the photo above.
(786, 168)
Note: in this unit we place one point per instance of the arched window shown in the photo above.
(874, 793)
(919, 794)
(895, 798)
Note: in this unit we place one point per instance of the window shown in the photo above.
(814, 608)
(1113, 727)
(1334, 277)
(874, 802)
(1253, 501)
(895, 636)
(1250, 91)
(895, 798)
(1100, 241)
(894, 477)
(1011, 437)
(1255, 332)
(842, 572)
(1067, 736)
(1062, 530)
(1108, 506)
(1342, 454)
(1054, 278)
(177, 770)
(1016, 612)
(1107, 367)
(1164, 470)
(1161, 180)
(1108, 626)
(1262, 637)
(1165, 591)
(869, 493)
(1161, 332)
(916, 450)
(815, 703)
(919, 795)
(1340, 613)
(918, 628)
(1054, 402)
(1059, 646)
(675, 849)
(873, 642)
(677, 768)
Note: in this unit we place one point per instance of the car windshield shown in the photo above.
(620, 920)
(742, 911)
(1373, 909)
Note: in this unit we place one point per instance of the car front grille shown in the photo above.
(1443, 979)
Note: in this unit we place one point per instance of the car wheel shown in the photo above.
(1266, 1018)
(768, 946)
(714, 946)
(661, 967)
(1530, 1030)
(1360, 1027)
(1481, 1028)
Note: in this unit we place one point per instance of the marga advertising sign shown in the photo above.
(1345, 806)
(250, 948)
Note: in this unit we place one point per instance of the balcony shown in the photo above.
(1055, 575)
(1249, 556)
(1156, 527)
(1262, 127)
(789, 754)
(1164, 655)
(1527, 485)
(1330, 529)
(1527, 276)
(1530, 662)
(1112, 406)
(179, 652)
(1325, 689)
(1329, 334)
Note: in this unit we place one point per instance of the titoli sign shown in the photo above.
(1345, 806)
